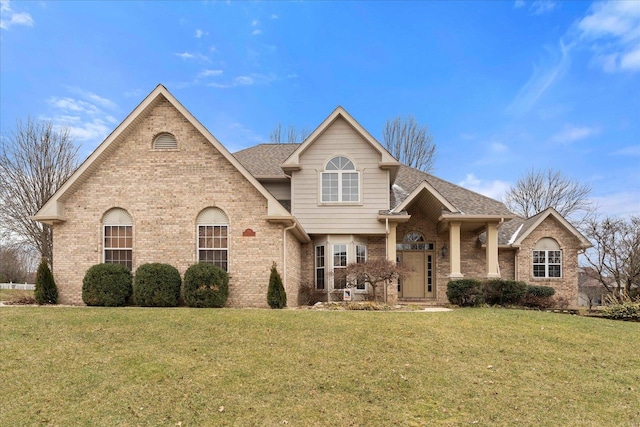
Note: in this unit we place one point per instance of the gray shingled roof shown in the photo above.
(265, 159)
(467, 201)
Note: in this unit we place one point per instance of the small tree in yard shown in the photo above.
(374, 272)
(46, 291)
(276, 296)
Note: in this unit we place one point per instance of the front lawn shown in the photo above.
(195, 367)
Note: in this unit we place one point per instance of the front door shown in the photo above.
(419, 284)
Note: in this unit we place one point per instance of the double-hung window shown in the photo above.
(547, 259)
(361, 258)
(213, 238)
(340, 181)
(320, 283)
(339, 266)
(117, 226)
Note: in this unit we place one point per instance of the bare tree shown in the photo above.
(374, 272)
(410, 143)
(35, 159)
(16, 263)
(541, 189)
(616, 253)
(279, 134)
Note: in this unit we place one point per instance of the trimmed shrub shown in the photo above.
(46, 291)
(465, 292)
(276, 296)
(539, 297)
(157, 285)
(108, 285)
(503, 292)
(205, 285)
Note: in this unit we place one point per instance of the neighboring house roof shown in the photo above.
(52, 211)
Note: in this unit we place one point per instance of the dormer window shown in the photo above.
(340, 181)
(165, 141)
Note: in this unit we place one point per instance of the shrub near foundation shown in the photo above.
(465, 292)
(107, 285)
(157, 285)
(205, 285)
(503, 292)
(46, 291)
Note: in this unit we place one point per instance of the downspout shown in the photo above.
(284, 253)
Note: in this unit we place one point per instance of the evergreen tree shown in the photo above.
(46, 291)
(276, 296)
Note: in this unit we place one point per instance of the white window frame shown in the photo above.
(112, 250)
(222, 263)
(362, 287)
(543, 257)
(320, 285)
(339, 247)
(343, 170)
(114, 219)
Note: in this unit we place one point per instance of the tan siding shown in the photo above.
(340, 139)
(279, 190)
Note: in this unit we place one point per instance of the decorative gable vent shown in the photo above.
(165, 141)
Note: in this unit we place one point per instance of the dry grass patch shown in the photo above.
(194, 367)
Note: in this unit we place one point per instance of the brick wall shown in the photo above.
(163, 191)
(567, 285)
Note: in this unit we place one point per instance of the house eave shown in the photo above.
(289, 221)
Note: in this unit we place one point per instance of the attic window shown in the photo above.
(165, 141)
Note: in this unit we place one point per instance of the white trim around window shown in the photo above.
(340, 181)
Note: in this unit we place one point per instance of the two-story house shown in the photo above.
(162, 188)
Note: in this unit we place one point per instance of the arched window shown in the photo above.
(340, 181)
(547, 258)
(414, 241)
(117, 226)
(213, 237)
(165, 141)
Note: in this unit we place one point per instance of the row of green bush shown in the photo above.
(155, 285)
(473, 292)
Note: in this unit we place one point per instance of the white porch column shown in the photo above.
(391, 242)
(454, 251)
(492, 250)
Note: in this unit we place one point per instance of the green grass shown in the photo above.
(194, 367)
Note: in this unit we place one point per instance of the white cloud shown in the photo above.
(85, 116)
(243, 81)
(495, 189)
(253, 79)
(209, 73)
(541, 7)
(256, 32)
(542, 78)
(613, 31)
(619, 204)
(195, 56)
(633, 150)
(11, 18)
(518, 4)
(255, 23)
(572, 133)
(498, 147)
(200, 33)
(274, 16)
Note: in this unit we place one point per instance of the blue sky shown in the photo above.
(503, 86)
